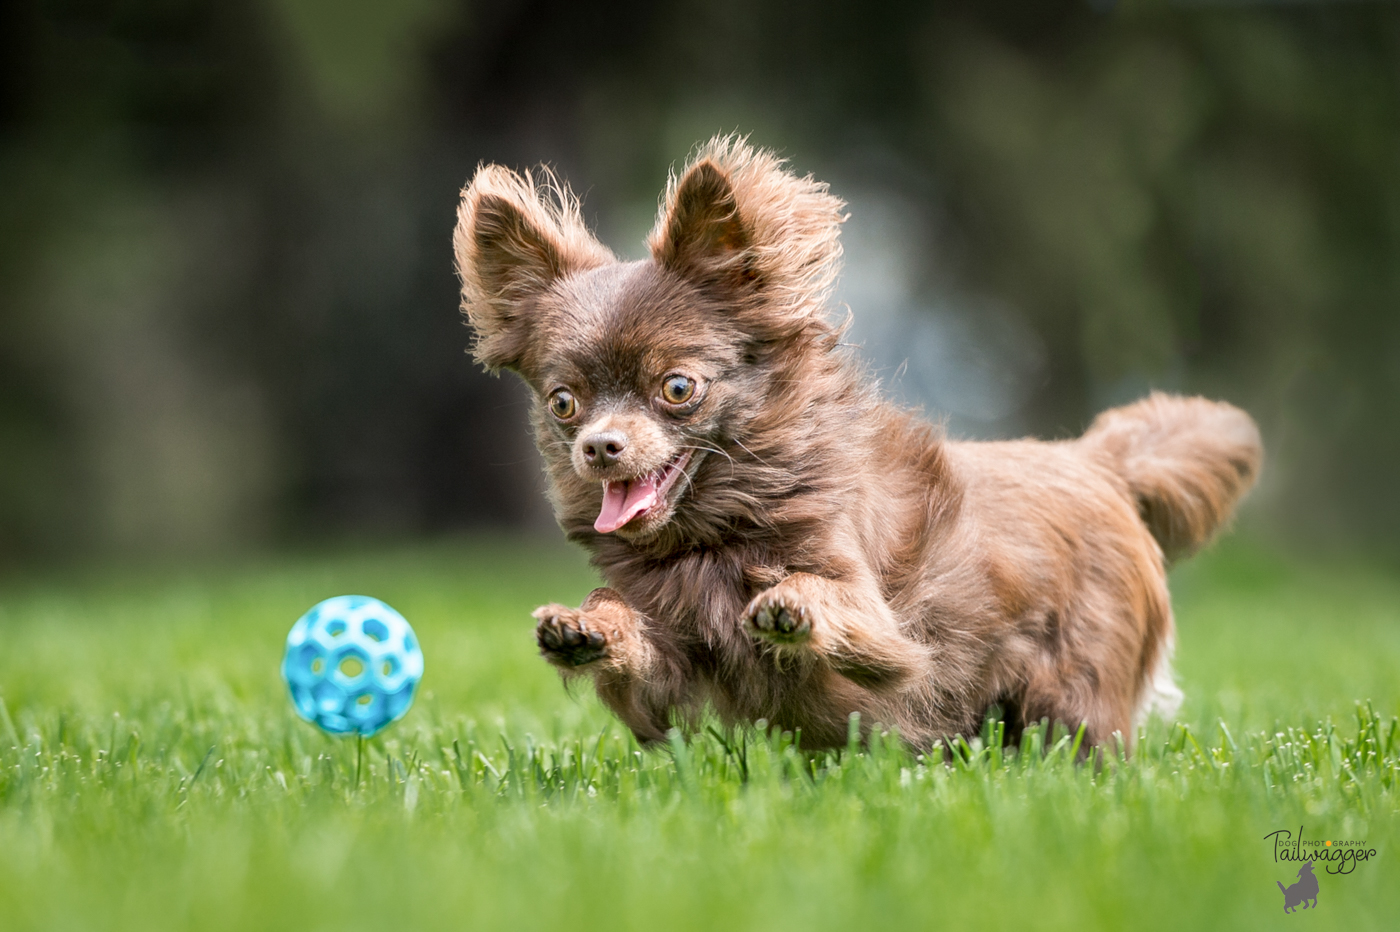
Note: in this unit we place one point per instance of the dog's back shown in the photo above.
(1073, 537)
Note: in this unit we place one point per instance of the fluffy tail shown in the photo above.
(1186, 460)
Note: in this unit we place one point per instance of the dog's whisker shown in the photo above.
(740, 443)
(722, 453)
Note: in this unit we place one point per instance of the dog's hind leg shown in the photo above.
(1072, 696)
(634, 674)
(847, 625)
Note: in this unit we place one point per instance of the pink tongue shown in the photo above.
(623, 501)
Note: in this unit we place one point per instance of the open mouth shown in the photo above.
(628, 499)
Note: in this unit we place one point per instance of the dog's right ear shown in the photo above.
(514, 239)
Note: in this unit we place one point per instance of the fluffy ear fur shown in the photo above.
(704, 237)
(515, 237)
(736, 218)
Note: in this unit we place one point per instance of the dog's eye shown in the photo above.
(562, 404)
(677, 389)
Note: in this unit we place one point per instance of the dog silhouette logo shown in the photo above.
(1303, 891)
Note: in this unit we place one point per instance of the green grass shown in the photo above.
(153, 775)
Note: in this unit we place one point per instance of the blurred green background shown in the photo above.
(233, 382)
(229, 316)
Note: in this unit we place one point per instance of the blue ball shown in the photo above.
(352, 664)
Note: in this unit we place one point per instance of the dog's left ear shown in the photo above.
(704, 237)
(737, 221)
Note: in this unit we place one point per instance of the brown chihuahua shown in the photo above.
(780, 542)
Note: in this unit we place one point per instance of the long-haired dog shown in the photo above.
(781, 543)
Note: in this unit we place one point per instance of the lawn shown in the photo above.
(154, 776)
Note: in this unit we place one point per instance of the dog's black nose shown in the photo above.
(604, 448)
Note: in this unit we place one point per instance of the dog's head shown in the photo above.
(644, 372)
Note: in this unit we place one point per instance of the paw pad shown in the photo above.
(777, 621)
(566, 639)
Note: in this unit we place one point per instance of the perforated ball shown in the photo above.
(352, 664)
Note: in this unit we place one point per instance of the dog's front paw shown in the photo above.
(566, 638)
(778, 617)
